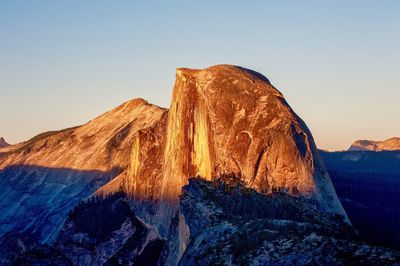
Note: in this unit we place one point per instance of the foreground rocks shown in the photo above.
(228, 224)
(106, 232)
(233, 225)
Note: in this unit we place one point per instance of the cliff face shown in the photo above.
(228, 120)
(392, 144)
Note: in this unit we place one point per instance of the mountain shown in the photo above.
(3, 143)
(368, 185)
(142, 182)
(44, 177)
(391, 144)
(223, 120)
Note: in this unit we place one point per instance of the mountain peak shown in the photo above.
(3, 143)
(221, 69)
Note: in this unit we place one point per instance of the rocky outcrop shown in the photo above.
(392, 144)
(234, 225)
(3, 143)
(104, 231)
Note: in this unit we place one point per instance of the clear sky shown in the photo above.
(63, 63)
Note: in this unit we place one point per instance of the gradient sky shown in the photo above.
(63, 63)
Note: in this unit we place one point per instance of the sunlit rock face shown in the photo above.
(142, 180)
(228, 120)
(101, 144)
(392, 144)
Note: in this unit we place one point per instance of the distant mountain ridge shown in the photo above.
(392, 144)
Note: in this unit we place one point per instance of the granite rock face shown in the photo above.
(228, 120)
(392, 144)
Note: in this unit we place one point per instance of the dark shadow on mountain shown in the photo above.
(36, 199)
(368, 186)
(254, 73)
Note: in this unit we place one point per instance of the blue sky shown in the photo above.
(64, 62)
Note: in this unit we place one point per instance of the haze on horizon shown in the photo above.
(63, 63)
